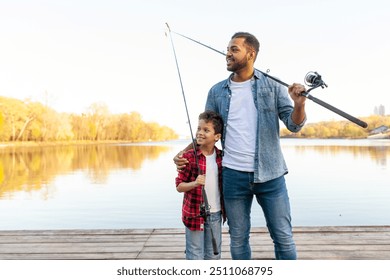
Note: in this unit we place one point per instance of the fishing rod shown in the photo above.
(204, 207)
(312, 79)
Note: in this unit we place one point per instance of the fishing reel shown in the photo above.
(314, 80)
(204, 211)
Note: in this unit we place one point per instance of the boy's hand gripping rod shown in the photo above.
(318, 83)
(204, 207)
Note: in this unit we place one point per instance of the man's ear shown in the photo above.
(252, 55)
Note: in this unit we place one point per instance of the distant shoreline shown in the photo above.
(27, 144)
(60, 143)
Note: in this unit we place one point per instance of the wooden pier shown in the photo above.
(314, 243)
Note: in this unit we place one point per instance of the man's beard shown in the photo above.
(237, 65)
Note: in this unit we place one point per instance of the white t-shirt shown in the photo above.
(240, 140)
(211, 184)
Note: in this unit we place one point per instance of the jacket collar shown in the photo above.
(257, 75)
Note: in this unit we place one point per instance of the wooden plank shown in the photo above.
(79, 256)
(74, 239)
(69, 248)
(342, 229)
(181, 230)
(312, 243)
(78, 232)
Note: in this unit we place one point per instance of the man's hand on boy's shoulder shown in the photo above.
(180, 161)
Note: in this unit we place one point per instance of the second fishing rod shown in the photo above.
(204, 207)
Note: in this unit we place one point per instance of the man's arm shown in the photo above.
(299, 114)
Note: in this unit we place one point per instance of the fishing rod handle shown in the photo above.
(214, 242)
(205, 218)
(336, 110)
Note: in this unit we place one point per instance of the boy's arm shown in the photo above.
(187, 186)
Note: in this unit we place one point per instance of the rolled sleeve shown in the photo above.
(292, 126)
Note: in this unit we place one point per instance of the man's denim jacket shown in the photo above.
(273, 103)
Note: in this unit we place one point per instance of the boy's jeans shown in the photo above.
(198, 243)
(238, 191)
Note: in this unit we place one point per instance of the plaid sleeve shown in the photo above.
(193, 198)
(185, 175)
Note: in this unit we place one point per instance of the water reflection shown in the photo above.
(132, 186)
(34, 168)
(378, 154)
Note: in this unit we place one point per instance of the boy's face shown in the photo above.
(205, 135)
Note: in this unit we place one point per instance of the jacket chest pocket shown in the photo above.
(266, 99)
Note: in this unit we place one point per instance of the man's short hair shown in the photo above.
(250, 40)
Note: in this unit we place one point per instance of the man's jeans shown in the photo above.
(238, 191)
(198, 243)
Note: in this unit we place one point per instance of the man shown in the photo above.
(253, 165)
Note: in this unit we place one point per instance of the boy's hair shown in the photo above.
(215, 118)
(250, 40)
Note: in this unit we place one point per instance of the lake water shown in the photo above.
(331, 182)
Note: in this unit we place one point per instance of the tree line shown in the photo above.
(339, 129)
(34, 121)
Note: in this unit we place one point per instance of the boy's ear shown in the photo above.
(217, 137)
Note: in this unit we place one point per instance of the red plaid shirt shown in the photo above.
(193, 198)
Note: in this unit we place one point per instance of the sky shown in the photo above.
(71, 54)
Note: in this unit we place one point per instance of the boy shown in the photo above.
(198, 233)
